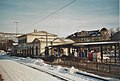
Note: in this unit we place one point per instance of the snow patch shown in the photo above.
(72, 70)
(59, 67)
(39, 62)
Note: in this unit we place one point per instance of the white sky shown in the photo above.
(80, 15)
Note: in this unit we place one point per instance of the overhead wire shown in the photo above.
(50, 14)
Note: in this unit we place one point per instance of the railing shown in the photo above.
(105, 67)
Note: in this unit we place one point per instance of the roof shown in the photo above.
(64, 40)
(117, 33)
(104, 29)
(43, 39)
(91, 33)
(97, 43)
(86, 34)
(38, 33)
(87, 44)
(63, 45)
(41, 33)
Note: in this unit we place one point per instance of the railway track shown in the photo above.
(64, 78)
(50, 73)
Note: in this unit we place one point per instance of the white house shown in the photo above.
(29, 44)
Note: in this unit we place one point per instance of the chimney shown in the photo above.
(35, 30)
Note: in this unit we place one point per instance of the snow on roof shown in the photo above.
(38, 33)
(15, 43)
(68, 40)
(64, 40)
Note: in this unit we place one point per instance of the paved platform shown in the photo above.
(13, 71)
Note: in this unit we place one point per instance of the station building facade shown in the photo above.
(34, 44)
(27, 43)
(90, 36)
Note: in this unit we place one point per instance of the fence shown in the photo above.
(96, 66)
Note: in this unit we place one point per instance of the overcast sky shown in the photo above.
(78, 16)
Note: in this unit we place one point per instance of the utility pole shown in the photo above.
(16, 27)
(46, 39)
(46, 48)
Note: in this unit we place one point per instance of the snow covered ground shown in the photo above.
(13, 71)
(21, 69)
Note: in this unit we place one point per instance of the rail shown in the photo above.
(66, 78)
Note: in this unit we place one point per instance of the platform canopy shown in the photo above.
(97, 43)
